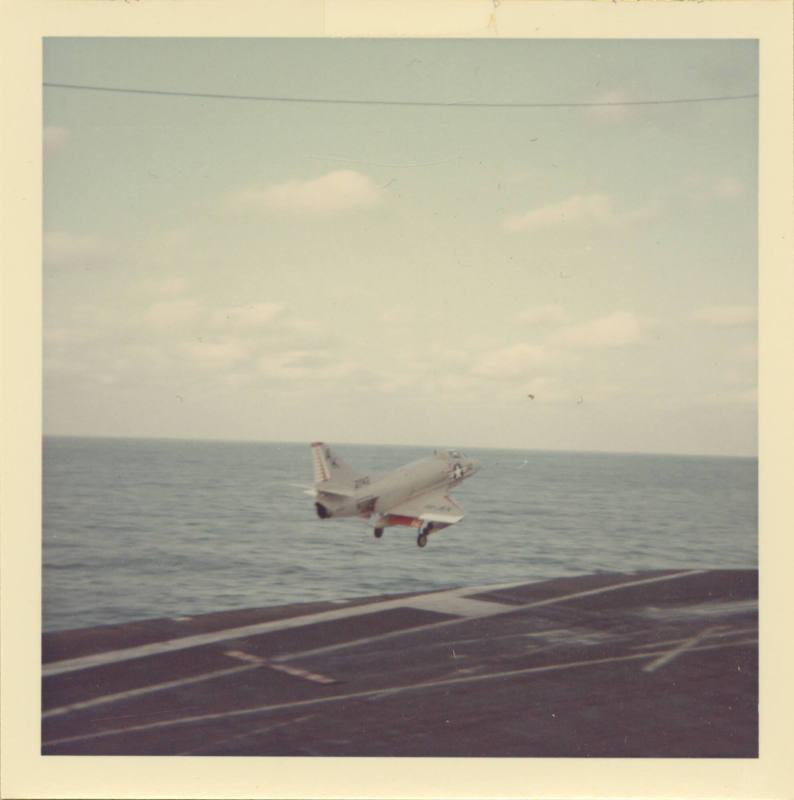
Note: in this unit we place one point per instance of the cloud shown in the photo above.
(53, 138)
(253, 315)
(539, 314)
(726, 315)
(511, 361)
(704, 193)
(614, 330)
(334, 193)
(173, 313)
(301, 364)
(592, 210)
(61, 249)
(223, 352)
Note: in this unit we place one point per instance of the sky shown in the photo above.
(560, 260)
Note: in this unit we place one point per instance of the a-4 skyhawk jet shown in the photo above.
(415, 495)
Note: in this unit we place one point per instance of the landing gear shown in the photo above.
(421, 540)
(378, 532)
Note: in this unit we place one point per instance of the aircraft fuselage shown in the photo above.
(416, 495)
(444, 470)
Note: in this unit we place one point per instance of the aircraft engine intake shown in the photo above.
(322, 511)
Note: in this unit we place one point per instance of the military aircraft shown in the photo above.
(415, 495)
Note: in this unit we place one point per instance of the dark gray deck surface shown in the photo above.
(647, 664)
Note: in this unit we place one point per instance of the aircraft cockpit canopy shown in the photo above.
(455, 455)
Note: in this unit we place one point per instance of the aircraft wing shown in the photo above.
(329, 487)
(431, 507)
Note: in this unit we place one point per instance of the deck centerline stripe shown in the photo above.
(380, 691)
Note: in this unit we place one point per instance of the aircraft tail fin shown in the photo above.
(330, 469)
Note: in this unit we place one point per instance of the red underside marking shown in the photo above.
(396, 519)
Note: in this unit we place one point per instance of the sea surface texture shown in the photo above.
(136, 529)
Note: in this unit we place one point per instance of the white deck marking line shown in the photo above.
(687, 644)
(266, 662)
(666, 642)
(253, 663)
(611, 588)
(386, 690)
(315, 677)
(256, 661)
(183, 643)
(186, 642)
(239, 654)
(501, 609)
(452, 603)
(156, 687)
(296, 671)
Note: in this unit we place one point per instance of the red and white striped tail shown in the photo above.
(329, 467)
(321, 468)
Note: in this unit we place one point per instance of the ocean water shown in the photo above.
(136, 529)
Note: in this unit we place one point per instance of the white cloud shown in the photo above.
(614, 330)
(539, 314)
(511, 361)
(61, 249)
(726, 315)
(300, 364)
(701, 192)
(218, 353)
(336, 192)
(253, 315)
(173, 313)
(592, 210)
(53, 138)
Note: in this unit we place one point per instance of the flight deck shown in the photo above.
(645, 664)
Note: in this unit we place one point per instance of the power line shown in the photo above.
(420, 103)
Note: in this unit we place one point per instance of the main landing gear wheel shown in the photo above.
(421, 540)
(378, 532)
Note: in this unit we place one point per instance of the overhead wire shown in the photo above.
(417, 103)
